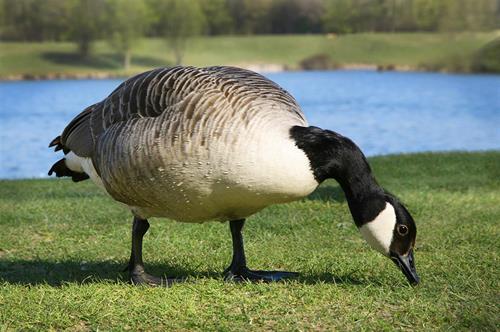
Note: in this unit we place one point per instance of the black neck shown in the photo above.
(334, 156)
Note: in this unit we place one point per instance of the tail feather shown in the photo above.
(58, 145)
(61, 170)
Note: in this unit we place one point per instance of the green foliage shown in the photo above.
(34, 19)
(427, 14)
(42, 20)
(218, 19)
(343, 16)
(408, 50)
(126, 22)
(63, 247)
(255, 16)
(87, 24)
(318, 62)
(337, 16)
(487, 59)
(460, 15)
(296, 16)
(179, 20)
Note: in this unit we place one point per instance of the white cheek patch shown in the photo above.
(378, 232)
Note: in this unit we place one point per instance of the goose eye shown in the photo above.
(402, 230)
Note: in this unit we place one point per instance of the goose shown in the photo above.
(221, 143)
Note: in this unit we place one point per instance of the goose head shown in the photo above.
(381, 218)
(392, 233)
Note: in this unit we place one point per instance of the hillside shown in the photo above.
(403, 51)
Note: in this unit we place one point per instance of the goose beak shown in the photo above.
(407, 265)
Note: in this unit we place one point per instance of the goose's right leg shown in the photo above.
(238, 270)
(136, 266)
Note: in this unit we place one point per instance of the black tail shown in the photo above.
(58, 145)
(61, 169)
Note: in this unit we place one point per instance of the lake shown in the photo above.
(384, 113)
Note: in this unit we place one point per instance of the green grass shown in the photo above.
(63, 245)
(431, 50)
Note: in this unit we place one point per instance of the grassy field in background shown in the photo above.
(63, 245)
(412, 50)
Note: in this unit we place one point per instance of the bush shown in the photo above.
(455, 63)
(318, 62)
(487, 59)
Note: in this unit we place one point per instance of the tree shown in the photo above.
(296, 16)
(21, 21)
(87, 23)
(179, 21)
(237, 11)
(3, 19)
(310, 15)
(337, 17)
(463, 15)
(126, 21)
(218, 18)
(34, 20)
(257, 16)
(481, 14)
(55, 18)
(427, 14)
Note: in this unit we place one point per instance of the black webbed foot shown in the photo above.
(140, 277)
(238, 270)
(135, 267)
(245, 274)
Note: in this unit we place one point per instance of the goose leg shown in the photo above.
(238, 270)
(136, 266)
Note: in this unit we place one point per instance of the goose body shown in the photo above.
(217, 143)
(211, 143)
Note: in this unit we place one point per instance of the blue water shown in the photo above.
(382, 112)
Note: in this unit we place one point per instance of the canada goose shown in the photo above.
(221, 143)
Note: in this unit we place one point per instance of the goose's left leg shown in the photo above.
(136, 266)
(238, 270)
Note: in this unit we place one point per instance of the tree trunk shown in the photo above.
(127, 56)
(178, 56)
(178, 45)
(84, 48)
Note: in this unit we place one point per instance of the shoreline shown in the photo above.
(436, 52)
(260, 68)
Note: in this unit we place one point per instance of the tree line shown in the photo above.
(121, 22)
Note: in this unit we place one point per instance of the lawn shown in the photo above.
(63, 245)
(412, 50)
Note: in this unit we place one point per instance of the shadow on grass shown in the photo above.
(327, 193)
(104, 61)
(328, 278)
(101, 61)
(26, 272)
(146, 61)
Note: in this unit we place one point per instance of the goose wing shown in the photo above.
(155, 92)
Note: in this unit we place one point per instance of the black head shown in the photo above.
(381, 218)
(392, 232)
(403, 241)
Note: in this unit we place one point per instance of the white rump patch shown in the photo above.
(73, 162)
(83, 165)
(378, 232)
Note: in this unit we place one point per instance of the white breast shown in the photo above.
(231, 181)
(193, 175)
